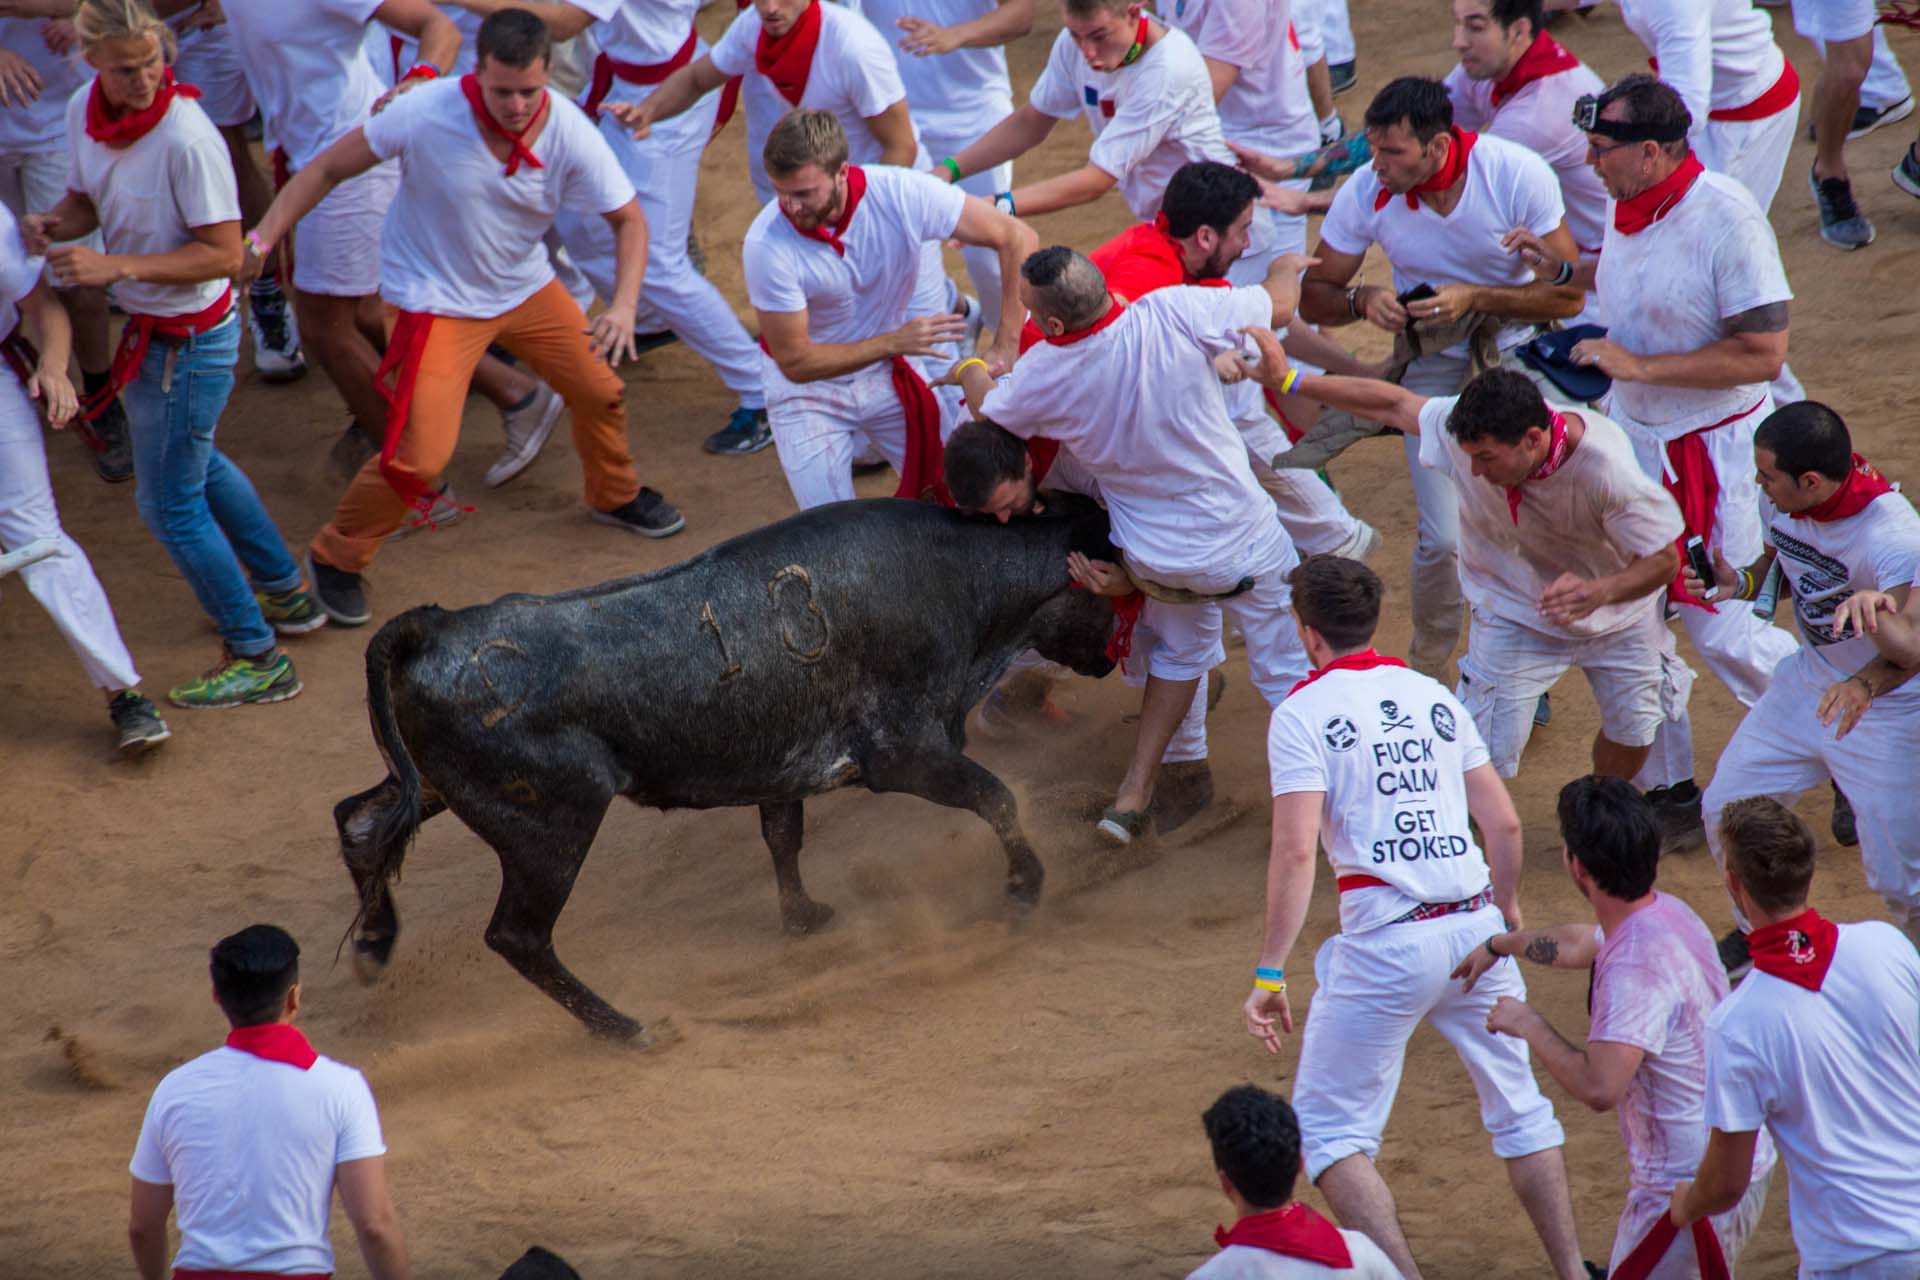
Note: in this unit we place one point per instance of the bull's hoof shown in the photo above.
(618, 1029)
(805, 917)
(370, 956)
(1025, 891)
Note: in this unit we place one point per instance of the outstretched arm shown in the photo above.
(676, 93)
(1010, 20)
(1367, 398)
(348, 158)
(1597, 1075)
(564, 21)
(986, 227)
(1026, 128)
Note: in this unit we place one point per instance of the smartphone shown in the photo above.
(1416, 294)
(1702, 564)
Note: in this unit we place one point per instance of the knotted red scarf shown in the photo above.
(1445, 176)
(1798, 950)
(1636, 213)
(405, 346)
(125, 130)
(1863, 484)
(1653, 1247)
(606, 70)
(518, 152)
(1544, 57)
(276, 1042)
(1556, 455)
(1695, 486)
(1365, 660)
(138, 336)
(788, 60)
(1293, 1232)
(829, 235)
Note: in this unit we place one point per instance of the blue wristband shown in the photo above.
(1271, 975)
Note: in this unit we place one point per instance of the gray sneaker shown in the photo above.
(1842, 225)
(138, 720)
(1906, 174)
(527, 430)
(649, 515)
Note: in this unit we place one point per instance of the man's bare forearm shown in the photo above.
(1534, 302)
(1014, 136)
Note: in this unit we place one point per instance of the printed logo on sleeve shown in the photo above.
(1342, 734)
(1443, 723)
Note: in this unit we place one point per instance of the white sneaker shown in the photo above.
(276, 339)
(32, 553)
(976, 321)
(527, 431)
(446, 510)
(1361, 544)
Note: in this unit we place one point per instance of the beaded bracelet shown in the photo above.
(1270, 979)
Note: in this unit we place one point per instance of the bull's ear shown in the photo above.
(1090, 532)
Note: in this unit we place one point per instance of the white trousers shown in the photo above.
(1645, 1208)
(1885, 1266)
(63, 583)
(1438, 607)
(665, 169)
(1372, 990)
(1781, 749)
(1189, 634)
(1751, 152)
(983, 265)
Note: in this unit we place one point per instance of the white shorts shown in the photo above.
(1373, 990)
(1835, 20)
(1751, 152)
(336, 248)
(1190, 633)
(1681, 1262)
(210, 63)
(1507, 667)
(34, 182)
(819, 426)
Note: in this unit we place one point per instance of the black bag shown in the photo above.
(1552, 355)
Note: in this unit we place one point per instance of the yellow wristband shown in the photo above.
(1286, 383)
(970, 360)
(1265, 985)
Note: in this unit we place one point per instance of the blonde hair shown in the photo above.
(800, 138)
(101, 20)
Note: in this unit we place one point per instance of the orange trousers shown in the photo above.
(547, 331)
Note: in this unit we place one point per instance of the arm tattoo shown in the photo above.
(1542, 950)
(1771, 318)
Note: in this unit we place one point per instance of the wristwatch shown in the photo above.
(1353, 300)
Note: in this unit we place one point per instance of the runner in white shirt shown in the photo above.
(1564, 542)
(1132, 392)
(487, 160)
(1654, 980)
(1741, 92)
(1437, 201)
(1256, 1155)
(952, 57)
(249, 1141)
(1385, 768)
(1817, 1046)
(641, 44)
(33, 178)
(832, 268)
(1836, 528)
(1692, 285)
(51, 564)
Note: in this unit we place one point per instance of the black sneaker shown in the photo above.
(1906, 174)
(645, 342)
(1342, 76)
(1842, 225)
(746, 432)
(113, 461)
(341, 594)
(351, 451)
(1867, 119)
(1845, 830)
(1734, 956)
(649, 515)
(1676, 810)
(138, 720)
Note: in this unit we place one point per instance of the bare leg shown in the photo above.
(335, 337)
(255, 194)
(1162, 707)
(1836, 96)
(1612, 760)
(1320, 89)
(87, 309)
(503, 383)
(1359, 1198)
(1540, 1183)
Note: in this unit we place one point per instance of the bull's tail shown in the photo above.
(377, 827)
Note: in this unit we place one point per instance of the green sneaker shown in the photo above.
(239, 680)
(292, 613)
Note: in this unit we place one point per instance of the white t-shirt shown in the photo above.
(1391, 749)
(1717, 54)
(1597, 512)
(462, 238)
(1507, 186)
(1825, 562)
(1267, 107)
(1245, 1262)
(308, 71)
(867, 292)
(1656, 980)
(1672, 287)
(151, 195)
(41, 125)
(18, 272)
(1539, 116)
(249, 1147)
(643, 32)
(1833, 1075)
(1148, 119)
(952, 95)
(853, 76)
(1140, 406)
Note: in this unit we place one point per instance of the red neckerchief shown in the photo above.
(1862, 485)
(1798, 950)
(1653, 1246)
(470, 85)
(830, 236)
(1072, 336)
(1365, 660)
(1544, 57)
(1293, 1232)
(1445, 176)
(1636, 213)
(276, 1042)
(125, 130)
(787, 60)
(1556, 455)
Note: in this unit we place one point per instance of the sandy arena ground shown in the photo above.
(922, 1091)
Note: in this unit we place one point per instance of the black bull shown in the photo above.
(844, 645)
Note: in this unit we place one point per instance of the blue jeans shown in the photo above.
(199, 505)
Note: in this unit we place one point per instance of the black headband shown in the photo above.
(1586, 116)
